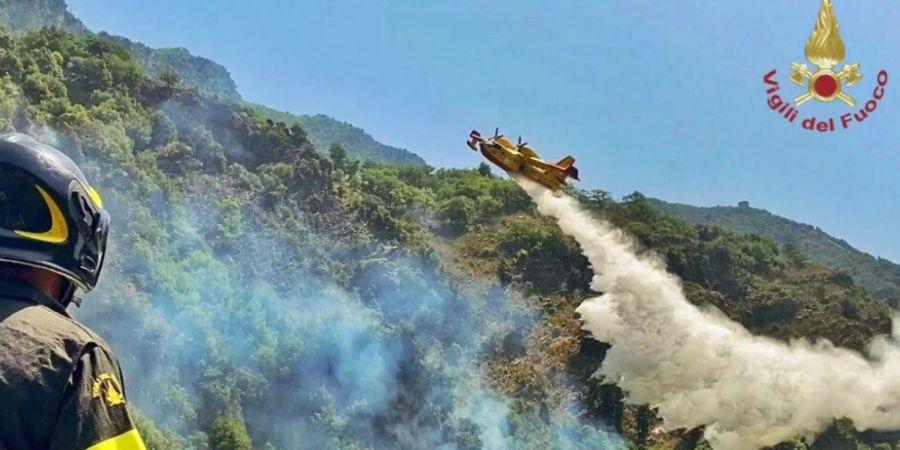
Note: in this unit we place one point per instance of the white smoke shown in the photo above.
(699, 368)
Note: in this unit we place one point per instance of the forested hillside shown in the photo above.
(207, 77)
(263, 295)
(324, 131)
(879, 276)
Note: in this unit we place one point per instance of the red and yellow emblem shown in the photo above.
(825, 50)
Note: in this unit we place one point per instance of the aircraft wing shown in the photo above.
(504, 142)
(528, 152)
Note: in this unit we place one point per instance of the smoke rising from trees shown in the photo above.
(698, 368)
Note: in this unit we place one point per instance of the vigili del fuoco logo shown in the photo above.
(823, 83)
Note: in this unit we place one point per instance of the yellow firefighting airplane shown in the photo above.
(519, 158)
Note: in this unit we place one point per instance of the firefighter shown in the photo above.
(60, 385)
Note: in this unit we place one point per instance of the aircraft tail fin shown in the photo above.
(566, 164)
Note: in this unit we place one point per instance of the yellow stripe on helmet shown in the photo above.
(59, 229)
(95, 197)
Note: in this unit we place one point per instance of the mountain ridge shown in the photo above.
(324, 131)
(21, 15)
(879, 275)
(208, 77)
(203, 74)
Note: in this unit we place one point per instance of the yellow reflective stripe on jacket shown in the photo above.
(130, 440)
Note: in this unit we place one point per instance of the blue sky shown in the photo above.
(666, 98)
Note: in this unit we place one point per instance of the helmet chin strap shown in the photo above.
(68, 295)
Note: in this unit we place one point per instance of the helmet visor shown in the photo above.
(22, 208)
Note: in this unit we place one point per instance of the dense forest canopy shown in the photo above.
(261, 294)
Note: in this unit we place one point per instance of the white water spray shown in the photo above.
(700, 368)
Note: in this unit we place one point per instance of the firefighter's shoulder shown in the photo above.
(39, 326)
(40, 348)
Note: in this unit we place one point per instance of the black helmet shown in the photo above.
(50, 217)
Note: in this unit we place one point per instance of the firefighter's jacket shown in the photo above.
(60, 385)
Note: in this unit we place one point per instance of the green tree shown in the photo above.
(170, 79)
(85, 76)
(230, 433)
(338, 155)
(163, 130)
(457, 211)
(156, 438)
(794, 254)
(484, 169)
